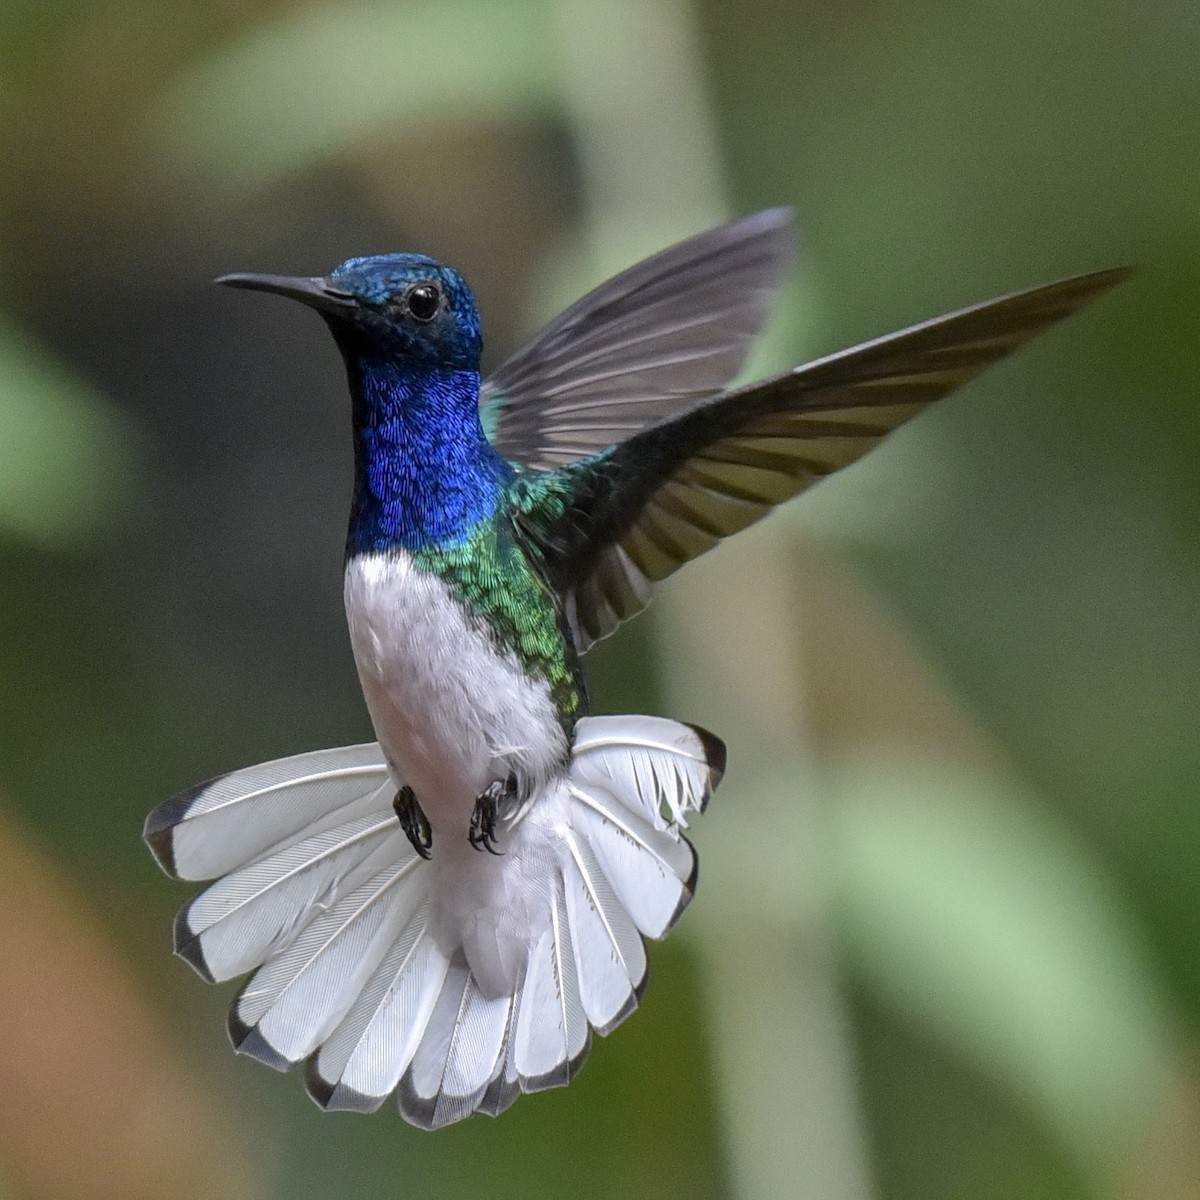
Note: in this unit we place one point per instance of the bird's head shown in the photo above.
(404, 306)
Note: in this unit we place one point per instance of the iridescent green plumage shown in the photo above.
(493, 576)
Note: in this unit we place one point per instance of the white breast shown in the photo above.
(451, 714)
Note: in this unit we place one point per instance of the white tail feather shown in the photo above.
(460, 983)
(458, 1055)
(300, 996)
(505, 1086)
(268, 805)
(609, 954)
(255, 911)
(667, 767)
(363, 1061)
(552, 1032)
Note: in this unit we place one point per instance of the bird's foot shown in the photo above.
(482, 834)
(413, 821)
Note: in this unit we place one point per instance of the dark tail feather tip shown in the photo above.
(187, 945)
(714, 753)
(336, 1097)
(317, 1086)
(159, 836)
(247, 1040)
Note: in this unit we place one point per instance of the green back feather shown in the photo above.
(499, 585)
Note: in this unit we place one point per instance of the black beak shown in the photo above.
(313, 291)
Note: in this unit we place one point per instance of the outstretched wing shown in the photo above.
(653, 340)
(609, 527)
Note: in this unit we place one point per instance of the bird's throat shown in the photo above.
(425, 475)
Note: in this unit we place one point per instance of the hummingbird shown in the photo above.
(449, 912)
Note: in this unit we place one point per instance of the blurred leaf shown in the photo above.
(322, 78)
(987, 923)
(66, 455)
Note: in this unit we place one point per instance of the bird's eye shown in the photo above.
(424, 300)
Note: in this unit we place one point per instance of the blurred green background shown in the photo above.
(946, 940)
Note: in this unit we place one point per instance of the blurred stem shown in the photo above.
(633, 89)
(783, 1042)
(649, 157)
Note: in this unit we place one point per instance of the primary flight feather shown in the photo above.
(448, 913)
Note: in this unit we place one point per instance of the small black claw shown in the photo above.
(482, 834)
(413, 821)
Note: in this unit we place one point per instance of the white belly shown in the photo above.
(451, 714)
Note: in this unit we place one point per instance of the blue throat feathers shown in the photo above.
(424, 473)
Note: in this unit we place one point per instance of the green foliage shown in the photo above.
(977, 915)
(321, 80)
(67, 457)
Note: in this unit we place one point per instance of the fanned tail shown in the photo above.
(458, 983)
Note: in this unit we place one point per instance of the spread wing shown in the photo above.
(655, 339)
(608, 528)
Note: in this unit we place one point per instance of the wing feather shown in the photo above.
(611, 525)
(651, 341)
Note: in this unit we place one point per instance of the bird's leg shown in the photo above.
(413, 821)
(482, 834)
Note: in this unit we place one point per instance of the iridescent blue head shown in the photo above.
(408, 330)
(404, 305)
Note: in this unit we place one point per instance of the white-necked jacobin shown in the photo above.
(448, 913)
